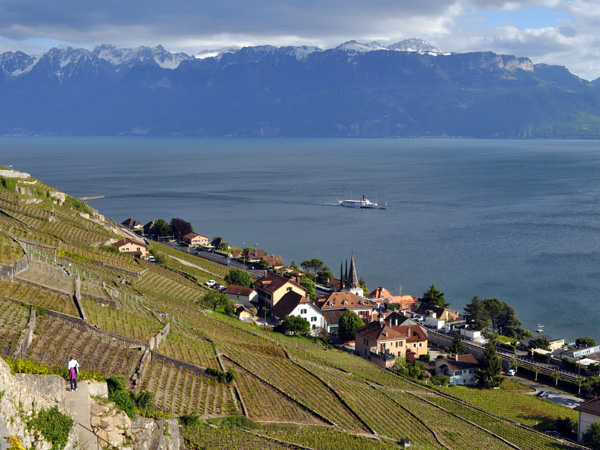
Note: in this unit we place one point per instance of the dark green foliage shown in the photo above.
(457, 347)
(239, 277)
(162, 228)
(503, 319)
(9, 183)
(111, 249)
(190, 420)
(77, 204)
(435, 297)
(220, 376)
(312, 265)
(348, 323)
(540, 342)
(295, 325)
(440, 380)
(584, 342)
(143, 399)
(117, 392)
(591, 387)
(310, 286)
(54, 426)
(476, 316)
(489, 373)
(180, 228)
(214, 299)
(324, 275)
(39, 310)
(412, 370)
(567, 427)
(591, 436)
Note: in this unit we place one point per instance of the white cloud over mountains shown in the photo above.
(562, 32)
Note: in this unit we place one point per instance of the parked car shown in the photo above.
(542, 394)
(210, 283)
(220, 287)
(151, 259)
(511, 372)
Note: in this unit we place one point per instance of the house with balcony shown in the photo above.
(382, 342)
(337, 303)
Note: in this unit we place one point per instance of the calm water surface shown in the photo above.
(516, 220)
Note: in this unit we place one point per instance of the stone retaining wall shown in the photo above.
(9, 271)
(155, 341)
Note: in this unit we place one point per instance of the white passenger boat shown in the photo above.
(365, 203)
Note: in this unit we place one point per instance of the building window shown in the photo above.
(420, 344)
(313, 319)
(302, 311)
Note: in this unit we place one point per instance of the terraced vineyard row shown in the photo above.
(210, 266)
(56, 340)
(13, 319)
(120, 322)
(118, 260)
(327, 438)
(181, 391)
(172, 284)
(264, 403)
(35, 295)
(217, 439)
(10, 251)
(73, 232)
(34, 236)
(186, 348)
(300, 386)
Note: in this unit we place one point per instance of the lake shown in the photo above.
(515, 220)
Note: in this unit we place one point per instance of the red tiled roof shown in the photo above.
(344, 299)
(272, 282)
(376, 331)
(333, 317)
(380, 292)
(287, 304)
(126, 241)
(467, 361)
(591, 406)
(234, 289)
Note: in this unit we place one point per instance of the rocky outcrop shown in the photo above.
(116, 428)
(21, 399)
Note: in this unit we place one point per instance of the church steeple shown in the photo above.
(352, 282)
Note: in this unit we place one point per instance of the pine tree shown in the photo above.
(435, 297)
(457, 347)
(489, 374)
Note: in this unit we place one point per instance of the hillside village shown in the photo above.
(232, 365)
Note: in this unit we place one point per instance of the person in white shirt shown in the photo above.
(73, 372)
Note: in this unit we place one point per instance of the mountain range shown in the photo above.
(407, 89)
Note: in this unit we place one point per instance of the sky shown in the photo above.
(561, 32)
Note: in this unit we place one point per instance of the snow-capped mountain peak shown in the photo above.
(359, 47)
(416, 45)
(141, 55)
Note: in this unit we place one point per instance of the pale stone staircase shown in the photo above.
(79, 402)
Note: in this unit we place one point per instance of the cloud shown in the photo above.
(564, 34)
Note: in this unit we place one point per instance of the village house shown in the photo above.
(581, 353)
(132, 247)
(254, 254)
(132, 224)
(460, 368)
(337, 303)
(241, 294)
(295, 304)
(274, 261)
(243, 313)
(382, 295)
(589, 412)
(195, 240)
(382, 342)
(272, 287)
(555, 344)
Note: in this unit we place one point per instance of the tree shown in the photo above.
(584, 342)
(435, 297)
(294, 265)
(540, 342)
(457, 347)
(214, 299)
(347, 324)
(295, 325)
(591, 436)
(476, 315)
(312, 265)
(324, 275)
(489, 374)
(239, 277)
(310, 287)
(162, 228)
(504, 319)
(180, 228)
